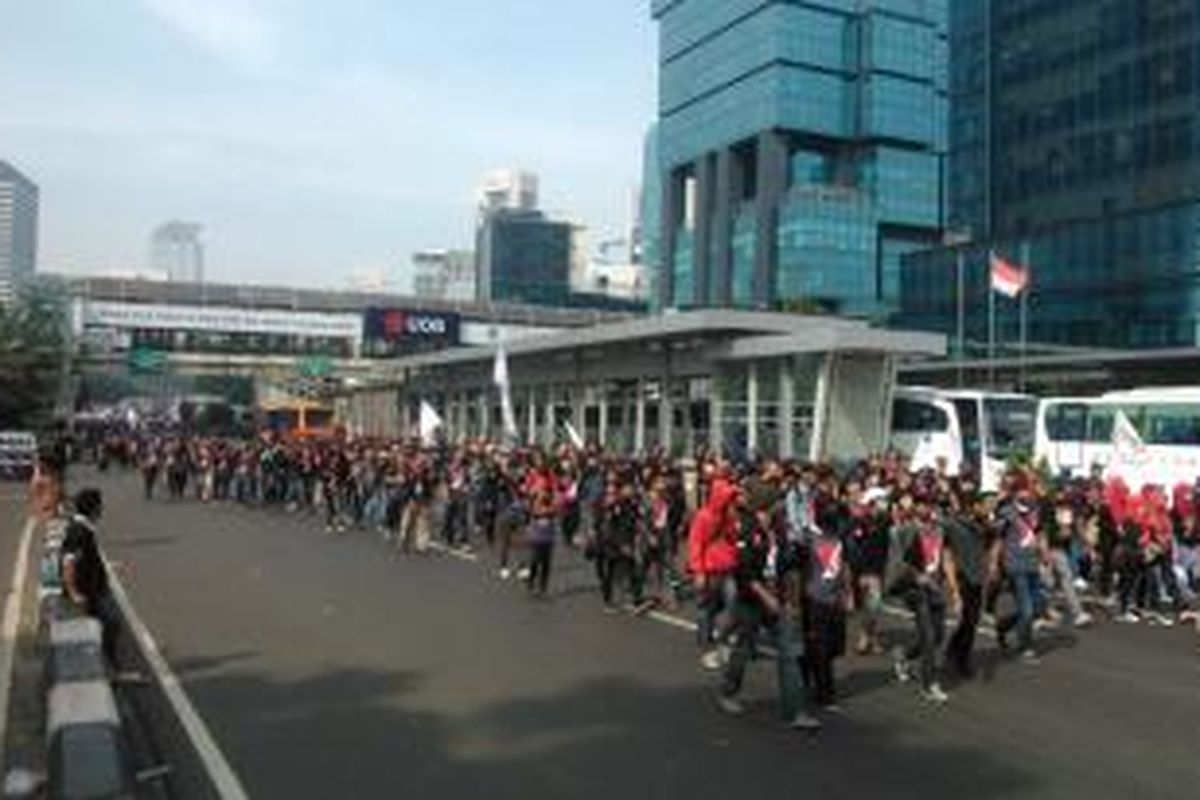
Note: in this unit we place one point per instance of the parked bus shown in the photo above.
(303, 419)
(1078, 436)
(963, 430)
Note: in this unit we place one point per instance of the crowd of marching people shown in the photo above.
(802, 558)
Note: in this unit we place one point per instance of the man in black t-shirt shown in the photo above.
(84, 575)
(763, 607)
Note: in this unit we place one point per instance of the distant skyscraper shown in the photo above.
(177, 252)
(444, 275)
(18, 229)
(508, 189)
(524, 256)
(1074, 148)
(799, 149)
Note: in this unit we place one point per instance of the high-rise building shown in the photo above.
(177, 251)
(18, 229)
(444, 275)
(799, 150)
(1073, 149)
(511, 189)
(524, 256)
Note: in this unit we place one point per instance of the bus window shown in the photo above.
(1066, 422)
(1011, 422)
(912, 416)
(1100, 425)
(1172, 425)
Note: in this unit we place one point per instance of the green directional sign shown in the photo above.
(146, 359)
(315, 367)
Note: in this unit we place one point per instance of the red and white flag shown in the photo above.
(1007, 278)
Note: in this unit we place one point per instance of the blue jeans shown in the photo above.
(1027, 591)
(749, 621)
(717, 596)
(1187, 569)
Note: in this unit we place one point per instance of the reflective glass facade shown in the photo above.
(1075, 141)
(524, 257)
(800, 145)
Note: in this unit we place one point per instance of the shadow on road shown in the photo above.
(355, 733)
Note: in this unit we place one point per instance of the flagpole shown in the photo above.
(991, 290)
(962, 315)
(1025, 308)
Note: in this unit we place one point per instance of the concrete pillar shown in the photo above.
(672, 204)
(787, 407)
(721, 256)
(579, 408)
(602, 396)
(531, 416)
(821, 411)
(752, 407)
(639, 425)
(771, 169)
(706, 180)
(665, 414)
(550, 430)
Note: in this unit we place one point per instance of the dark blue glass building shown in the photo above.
(522, 256)
(799, 151)
(1074, 147)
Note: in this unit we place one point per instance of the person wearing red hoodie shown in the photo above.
(712, 557)
(1156, 543)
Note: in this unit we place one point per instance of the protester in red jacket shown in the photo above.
(712, 557)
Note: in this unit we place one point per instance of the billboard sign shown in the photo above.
(401, 325)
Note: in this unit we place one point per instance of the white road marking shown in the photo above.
(453, 552)
(223, 777)
(12, 619)
(672, 620)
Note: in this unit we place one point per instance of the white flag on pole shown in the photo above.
(429, 424)
(1125, 438)
(576, 439)
(500, 378)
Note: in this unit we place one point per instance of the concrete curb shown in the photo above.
(87, 755)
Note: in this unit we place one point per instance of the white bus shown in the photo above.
(963, 430)
(1075, 436)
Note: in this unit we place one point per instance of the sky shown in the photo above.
(315, 138)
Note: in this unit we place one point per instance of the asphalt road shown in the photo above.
(328, 668)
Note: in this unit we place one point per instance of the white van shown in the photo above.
(959, 430)
(1078, 436)
(18, 455)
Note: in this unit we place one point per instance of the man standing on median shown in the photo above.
(84, 576)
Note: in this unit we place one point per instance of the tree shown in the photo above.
(34, 340)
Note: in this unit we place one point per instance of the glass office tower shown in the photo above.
(800, 149)
(1073, 147)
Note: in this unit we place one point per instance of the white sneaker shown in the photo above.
(1084, 620)
(901, 668)
(804, 722)
(730, 705)
(1129, 618)
(505, 573)
(711, 660)
(1081, 585)
(935, 694)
